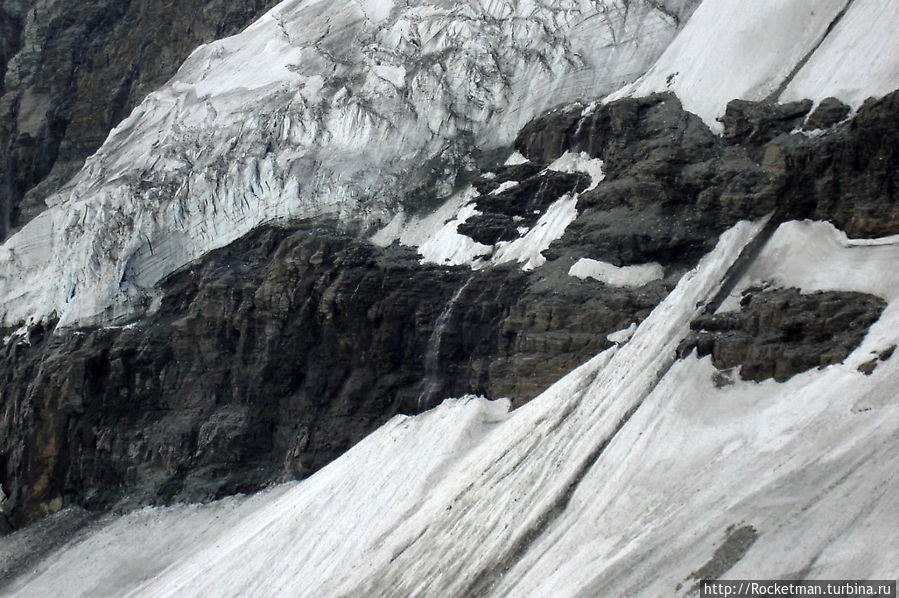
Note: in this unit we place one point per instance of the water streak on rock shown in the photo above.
(432, 379)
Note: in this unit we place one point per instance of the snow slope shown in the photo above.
(635, 468)
(783, 50)
(318, 108)
(620, 480)
(859, 59)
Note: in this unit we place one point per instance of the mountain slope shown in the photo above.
(738, 417)
(634, 468)
(75, 70)
(270, 124)
(809, 50)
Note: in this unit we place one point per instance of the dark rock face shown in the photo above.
(780, 333)
(272, 356)
(755, 123)
(828, 113)
(503, 212)
(657, 154)
(869, 366)
(74, 70)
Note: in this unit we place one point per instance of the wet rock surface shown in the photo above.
(74, 70)
(779, 333)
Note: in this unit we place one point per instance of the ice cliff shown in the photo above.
(317, 108)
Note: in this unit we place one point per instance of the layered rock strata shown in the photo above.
(779, 333)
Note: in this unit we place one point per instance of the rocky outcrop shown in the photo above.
(269, 358)
(272, 356)
(779, 333)
(74, 70)
(657, 154)
(504, 210)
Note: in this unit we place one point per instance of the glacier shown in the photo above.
(627, 476)
(268, 125)
(315, 109)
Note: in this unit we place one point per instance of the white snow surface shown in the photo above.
(619, 276)
(735, 49)
(317, 108)
(620, 337)
(858, 60)
(580, 162)
(816, 256)
(451, 248)
(528, 249)
(622, 479)
(515, 159)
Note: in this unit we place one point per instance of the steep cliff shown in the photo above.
(269, 358)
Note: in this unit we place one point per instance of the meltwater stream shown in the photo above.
(432, 379)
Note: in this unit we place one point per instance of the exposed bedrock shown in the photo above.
(270, 357)
(654, 153)
(74, 70)
(504, 211)
(779, 333)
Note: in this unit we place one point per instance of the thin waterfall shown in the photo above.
(433, 379)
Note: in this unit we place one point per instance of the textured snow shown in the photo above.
(858, 60)
(415, 230)
(620, 480)
(515, 159)
(333, 108)
(438, 241)
(735, 49)
(619, 276)
(451, 248)
(424, 491)
(625, 476)
(794, 256)
(622, 336)
(504, 187)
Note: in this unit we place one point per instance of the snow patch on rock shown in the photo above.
(619, 276)
(448, 247)
(515, 159)
(620, 337)
(528, 249)
(580, 162)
